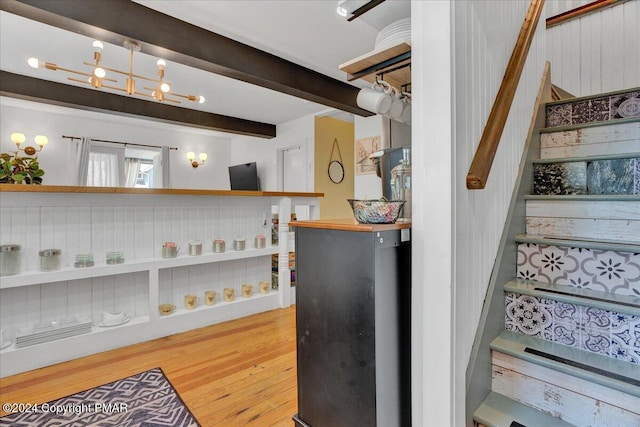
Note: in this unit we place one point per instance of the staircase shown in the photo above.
(570, 351)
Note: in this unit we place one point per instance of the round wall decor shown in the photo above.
(336, 168)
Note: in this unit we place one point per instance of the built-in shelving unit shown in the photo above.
(137, 223)
(393, 63)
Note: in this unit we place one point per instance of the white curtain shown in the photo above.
(161, 176)
(106, 166)
(82, 160)
(131, 170)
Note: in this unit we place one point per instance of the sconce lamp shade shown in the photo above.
(17, 138)
(203, 156)
(41, 140)
(191, 155)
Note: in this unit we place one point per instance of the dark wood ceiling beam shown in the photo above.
(115, 21)
(45, 91)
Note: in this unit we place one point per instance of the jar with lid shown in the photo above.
(10, 262)
(50, 259)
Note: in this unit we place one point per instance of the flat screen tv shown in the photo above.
(244, 177)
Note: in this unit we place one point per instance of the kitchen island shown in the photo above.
(353, 323)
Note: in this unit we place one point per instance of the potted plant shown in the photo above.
(20, 170)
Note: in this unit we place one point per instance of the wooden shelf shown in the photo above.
(394, 62)
(18, 188)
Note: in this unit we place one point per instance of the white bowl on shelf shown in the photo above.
(113, 318)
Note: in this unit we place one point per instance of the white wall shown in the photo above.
(264, 151)
(367, 186)
(556, 7)
(460, 51)
(597, 53)
(56, 159)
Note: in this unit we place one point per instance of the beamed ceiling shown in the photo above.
(161, 35)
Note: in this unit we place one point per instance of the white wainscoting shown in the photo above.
(138, 225)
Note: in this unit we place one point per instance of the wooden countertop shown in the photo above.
(18, 188)
(348, 224)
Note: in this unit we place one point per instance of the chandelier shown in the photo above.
(161, 90)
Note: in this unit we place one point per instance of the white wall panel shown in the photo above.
(556, 7)
(32, 118)
(485, 33)
(597, 53)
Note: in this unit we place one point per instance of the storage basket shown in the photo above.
(376, 211)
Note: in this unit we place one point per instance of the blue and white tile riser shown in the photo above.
(599, 109)
(599, 270)
(612, 334)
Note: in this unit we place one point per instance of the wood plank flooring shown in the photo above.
(236, 373)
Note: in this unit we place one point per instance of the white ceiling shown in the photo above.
(306, 32)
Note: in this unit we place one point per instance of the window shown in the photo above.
(104, 164)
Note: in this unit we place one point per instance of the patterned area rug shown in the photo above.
(144, 400)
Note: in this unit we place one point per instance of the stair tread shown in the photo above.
(587, 158)
(499, 411)
(585, 197)
(603, 370)
(563, 128)
(594, 96)
(571, 294)
(606, 245)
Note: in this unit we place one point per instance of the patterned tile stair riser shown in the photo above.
(616, 176)
(598, 109)
(146, 399)
(592, 329)
(606, 271)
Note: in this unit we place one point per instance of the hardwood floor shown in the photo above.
(237, 373)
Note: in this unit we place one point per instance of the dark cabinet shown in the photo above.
(353, 326)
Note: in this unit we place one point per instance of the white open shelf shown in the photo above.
(137, 226)
(219, 304)
(29, 278)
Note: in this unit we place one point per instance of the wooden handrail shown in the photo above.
(486, 151)
(578, 12)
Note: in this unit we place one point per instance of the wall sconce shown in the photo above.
(19, 138)
(16, 169)
(192, 158)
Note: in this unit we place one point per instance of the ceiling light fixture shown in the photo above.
(98, 76)
(355, 8)
(340, 9)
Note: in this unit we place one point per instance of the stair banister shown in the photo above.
(483, 158)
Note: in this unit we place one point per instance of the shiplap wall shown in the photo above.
(485, 33)
(597, 53)
(138, 226)
(556, 7)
